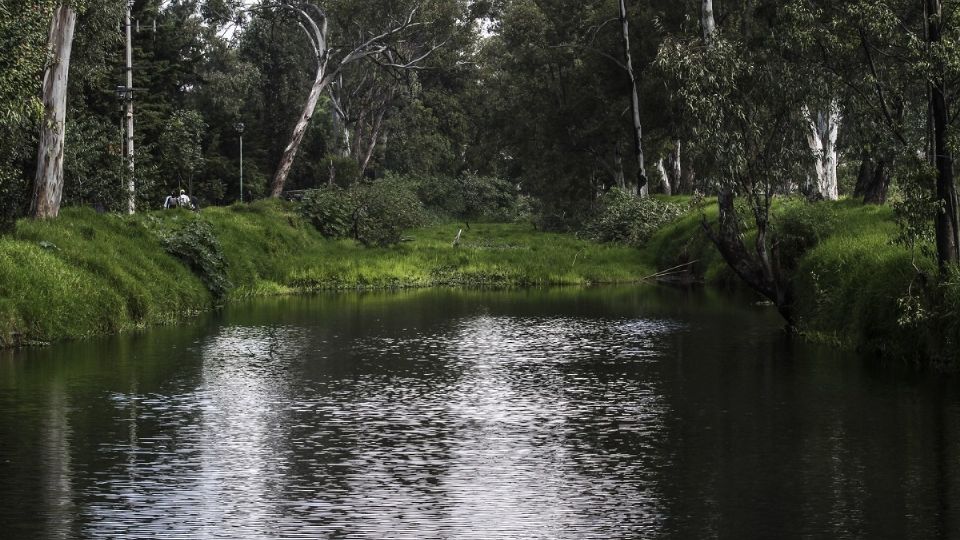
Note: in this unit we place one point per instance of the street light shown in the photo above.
(239, 127)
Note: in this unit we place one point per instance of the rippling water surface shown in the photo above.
(606, 413)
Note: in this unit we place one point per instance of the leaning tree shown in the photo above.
(403, 40)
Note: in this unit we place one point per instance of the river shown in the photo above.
(607, 413)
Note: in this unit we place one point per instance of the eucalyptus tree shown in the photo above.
(898, 62)
(746, 100)
(48, 183)
(398, 36)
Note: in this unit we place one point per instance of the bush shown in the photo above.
(192, 240)
(374, 214)
(383, 210)
(330, 211)
(471, 197)
(345, 170)
(798, 226)
(621, 217)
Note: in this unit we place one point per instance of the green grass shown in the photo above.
(88, 274)
(849, 276)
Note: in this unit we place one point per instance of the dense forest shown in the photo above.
(565, 104)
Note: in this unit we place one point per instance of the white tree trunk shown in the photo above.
(290, 152)
(48, 184)
(823, 129)
(664, 177)
(674, 168)
(707, 21)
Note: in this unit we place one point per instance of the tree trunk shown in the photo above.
(707, 21)
(759, 272)
(674, 168)
(290, 152)
(374, 138)
(48, 184)
(947, 227)
(873, 181)
(619, 179)
(664, 177)
(641, 183)
(688, 180)
(823, 128)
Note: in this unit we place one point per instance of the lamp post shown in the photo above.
(239, 127)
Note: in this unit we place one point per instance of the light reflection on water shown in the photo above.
(478, 430)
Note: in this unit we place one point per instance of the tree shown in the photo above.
(746, 101)
(641, 185)
(947, 226)
(24, 28)
(48, 185)
(182, 149)
(823, 127)
(315, 23)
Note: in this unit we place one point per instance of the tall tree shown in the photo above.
(641, 184)
(48, 184)
(946, 224)
(315, 23)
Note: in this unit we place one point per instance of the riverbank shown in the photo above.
(854, 285)
(88, 274)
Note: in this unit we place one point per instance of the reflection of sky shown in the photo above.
(210, 471)
(492, 427)
(520, 467)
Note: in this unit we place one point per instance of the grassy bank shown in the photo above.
(854, 286)
(88, 274)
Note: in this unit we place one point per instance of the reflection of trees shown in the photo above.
(773, 438)
(58, 509)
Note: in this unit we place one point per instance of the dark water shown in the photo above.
(571, 414)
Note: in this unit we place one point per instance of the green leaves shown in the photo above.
(621, 217)
(374, 214)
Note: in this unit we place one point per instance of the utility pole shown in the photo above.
(239, 127)
(131, 185)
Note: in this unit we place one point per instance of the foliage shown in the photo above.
(344, 170)
(382, 211)
(621, 217)
(470, 197)
(374, 214)
(192, 240)
(330, 211)
(181, 148)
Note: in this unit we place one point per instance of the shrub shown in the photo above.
(799, 226)
(470, 197)
(192, 240)
(330, 211)
(344, 170)
(374, 214)
(621, 217)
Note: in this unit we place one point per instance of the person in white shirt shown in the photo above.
(185, 200)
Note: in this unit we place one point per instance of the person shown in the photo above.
(172, 201)
(185, 200)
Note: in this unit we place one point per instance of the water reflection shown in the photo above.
(460, 415)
